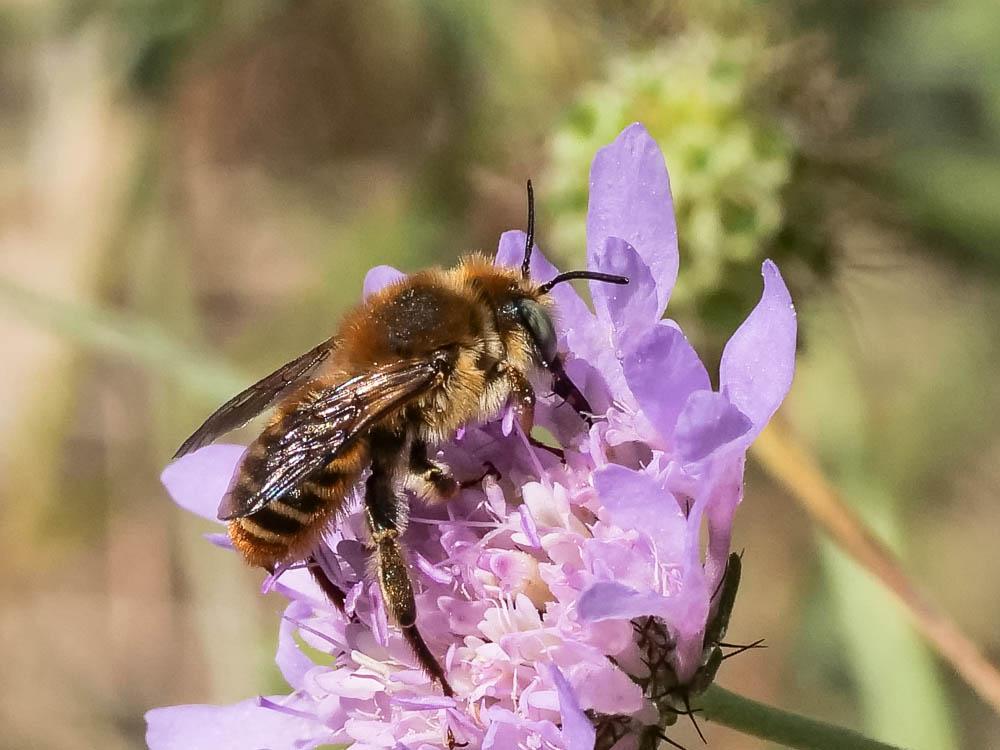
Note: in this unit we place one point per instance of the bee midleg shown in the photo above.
(430, 480)
(386, 514)
(568, 392)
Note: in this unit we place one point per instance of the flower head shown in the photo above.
(530, 586)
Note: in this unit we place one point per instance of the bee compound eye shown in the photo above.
(539, 326)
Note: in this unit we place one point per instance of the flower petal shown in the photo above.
(630, 198)
(378, 278)
(598, 683)
(290, 659)
(595, 368)
(577, 731)
(759, 360)
(424, 702)
(662, 371)
(502, 735)
(607, 600)
(707, 424)
(634, 500)
(724, 492)
(241, 726)
(631, 308)
(197, 481)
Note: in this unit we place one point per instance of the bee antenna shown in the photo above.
(608, 278)
(530, 241)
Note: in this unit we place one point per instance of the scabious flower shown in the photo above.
(531, 586)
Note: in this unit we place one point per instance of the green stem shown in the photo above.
(753, 718)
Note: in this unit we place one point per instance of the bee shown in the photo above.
(409, 366)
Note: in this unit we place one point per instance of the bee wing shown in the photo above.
(324, 423)
(244, 406)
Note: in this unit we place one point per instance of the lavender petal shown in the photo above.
(634, 500)
(631, 308)
(707, 424)
(662, 371)
(378, 278)
(241, 726)
(577, 730)
(606, 600)
(759, 360)
(198, 481)
(290, 660)
(630, 198)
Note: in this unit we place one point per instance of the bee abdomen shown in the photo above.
(287, 528)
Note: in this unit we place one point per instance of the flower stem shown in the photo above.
(756, 719)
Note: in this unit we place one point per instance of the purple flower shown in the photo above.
(529, 586)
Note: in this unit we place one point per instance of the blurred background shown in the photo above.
(192, 190)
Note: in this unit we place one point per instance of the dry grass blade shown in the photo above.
(786, 459)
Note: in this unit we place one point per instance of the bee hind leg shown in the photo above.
(386, 517)
(333, 592)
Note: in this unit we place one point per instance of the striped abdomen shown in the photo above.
(287, 529)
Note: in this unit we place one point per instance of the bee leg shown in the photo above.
(386, 516)
(433, 482)
(523, 399)
(568, 392)
(489, 470)
(430, 480)
(333, 592)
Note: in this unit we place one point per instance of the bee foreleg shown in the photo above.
(386, 514)
(568, 392)
(429, 480)
(522, 400)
